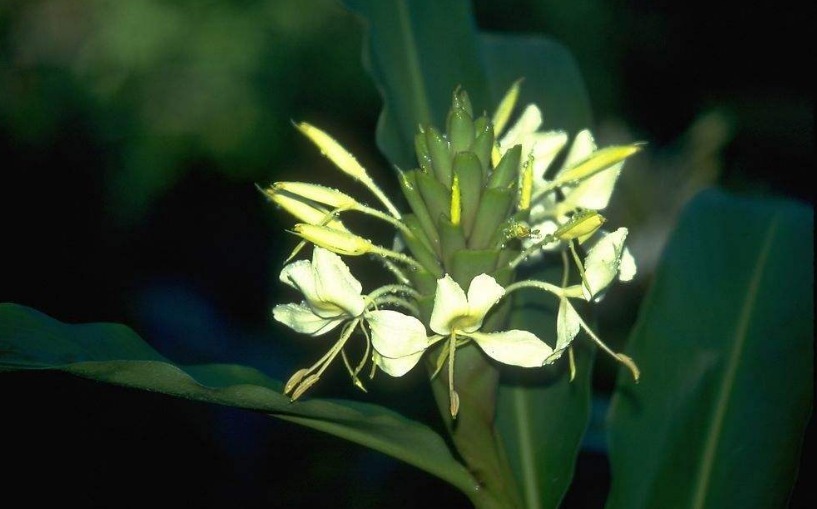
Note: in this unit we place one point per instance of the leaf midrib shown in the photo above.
(701, 488)
(523, 432)
(422, 107)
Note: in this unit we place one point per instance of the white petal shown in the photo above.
(603, 260)
(594, 192)
(527, 124)
(300, 318)
(544, 204)
(545, 146)
(449, 304)
(583, 145)
(335, 284)
(396, 335)
(396, 367)
(299, 275)
(515, 347)
(483, 293)
(627, 268)
(567, 327)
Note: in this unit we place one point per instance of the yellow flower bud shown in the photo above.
(334, 151)
(506, 106)
(582, 224)
(305, 212)
(526, 186)
(340, 242)
(321, 194)
(597, 161)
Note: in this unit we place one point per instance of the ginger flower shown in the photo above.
(332, 296)
(459, 317)
(482, 198)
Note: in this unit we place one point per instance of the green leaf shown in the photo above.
(551, 77)
(418, 52)
(542, 416)
(114, 354)
(725, 345)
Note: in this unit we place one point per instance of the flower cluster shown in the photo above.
(481, 205)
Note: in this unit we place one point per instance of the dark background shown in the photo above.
(132, 134)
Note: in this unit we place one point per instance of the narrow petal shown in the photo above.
(397, 367)
(450, 304)
(627, 268)
(334, 282)
(527, 124)
(395, 335)
(545, 146)
(506, 106)
(567, 327)
(595, 192)
(583, 145)
(514, 347)
(300, 318)
(483, 293)
(603, 260)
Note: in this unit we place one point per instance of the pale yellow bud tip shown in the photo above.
(345, 161)
(337, 241)
(582, 224)
(318, 193)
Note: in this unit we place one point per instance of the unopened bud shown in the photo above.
(582, 224)
(506, 106)
(321, 194)
(339, 242)
(345, 161)
(305, 212)
(599, 160)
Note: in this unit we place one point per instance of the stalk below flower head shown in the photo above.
(479, 206)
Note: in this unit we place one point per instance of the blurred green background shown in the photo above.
(132, 133)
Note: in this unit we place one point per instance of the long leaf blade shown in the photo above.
(115, 354)
(418, 52)
(725, 341)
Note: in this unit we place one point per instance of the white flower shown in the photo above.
(605, 260)
(543, 145)
(593, 192)
(456, 315)
(332, 296)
